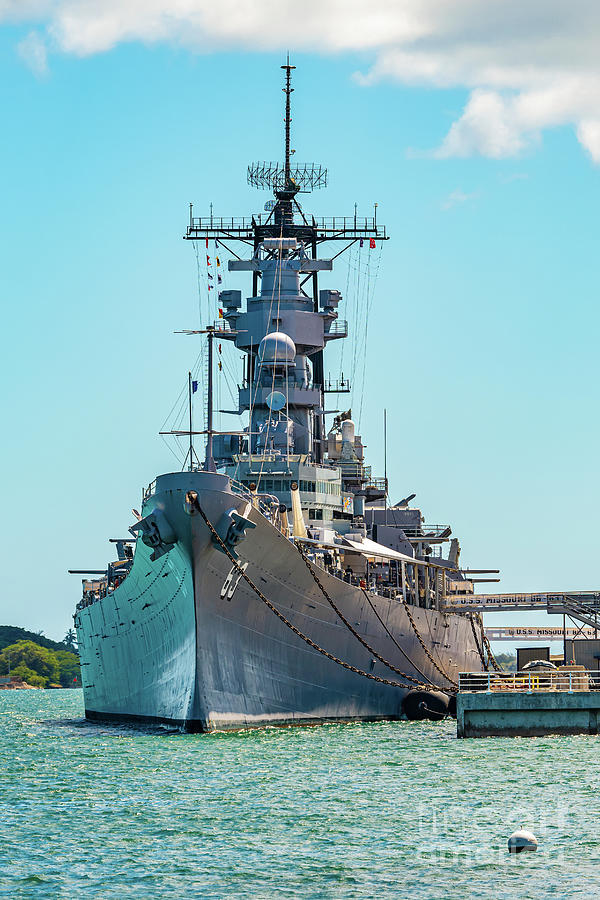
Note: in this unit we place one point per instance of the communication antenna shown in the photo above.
(287, 90)
(284, 179)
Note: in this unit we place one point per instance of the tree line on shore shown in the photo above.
(37, 660)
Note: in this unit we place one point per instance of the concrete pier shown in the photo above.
(512, 714)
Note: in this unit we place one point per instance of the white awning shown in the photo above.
(371, 548)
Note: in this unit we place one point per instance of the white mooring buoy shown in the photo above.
(522, 840)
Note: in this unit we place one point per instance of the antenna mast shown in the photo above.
(287, 90)
(286, 180)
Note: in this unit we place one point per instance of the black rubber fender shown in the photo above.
(452, 705)
(432, 705)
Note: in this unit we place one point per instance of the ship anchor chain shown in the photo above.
(424, 646)
(484, 662)
(360, 639)
(192, 498)
(393, 639)
(484, 643)
(488, 647)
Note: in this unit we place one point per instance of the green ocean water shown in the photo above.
(400, 810)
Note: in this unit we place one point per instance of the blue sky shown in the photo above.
(482, 337)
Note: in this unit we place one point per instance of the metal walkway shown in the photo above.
(581, 605)
(514, 633)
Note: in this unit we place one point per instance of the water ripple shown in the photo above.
(399, 810)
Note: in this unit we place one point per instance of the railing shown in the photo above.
(425, 532)
(377, 484)
(221, 222)
(338, 327)
(287, 387)
(353, 469)
(349, 223)
(259, 501)
(222, 326)
(150, 490)
(564, 679)
(552, 603)
(347, 226)
(267, 456)
(240, 489)
(339, 386)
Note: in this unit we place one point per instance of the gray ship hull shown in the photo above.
(185, 641)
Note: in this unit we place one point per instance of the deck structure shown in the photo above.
(528, 704)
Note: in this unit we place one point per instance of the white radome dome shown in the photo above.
(276, 347)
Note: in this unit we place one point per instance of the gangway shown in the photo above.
(581, 605)
(514, 633)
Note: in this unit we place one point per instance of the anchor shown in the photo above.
(231, 528)
(157, 533)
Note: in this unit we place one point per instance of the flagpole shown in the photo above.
(190, 409)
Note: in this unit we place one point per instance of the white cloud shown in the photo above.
(487, 126)
(457, 198)
(529, 65)
(588, 133)
(32, 51)
(513, 176)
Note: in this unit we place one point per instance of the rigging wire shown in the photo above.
(175, 416)
(349, 261)
(369, 305)
(357, 310)
(199, 277)
(279, 269)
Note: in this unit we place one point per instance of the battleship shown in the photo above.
(273, 582)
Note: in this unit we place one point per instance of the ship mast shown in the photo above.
(288, 234)
(286, 181)
(287, 91)
(209, 462)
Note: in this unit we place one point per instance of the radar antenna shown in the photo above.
(286, 180)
